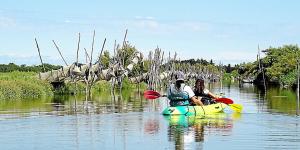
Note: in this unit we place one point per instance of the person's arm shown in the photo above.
(206, 91)
(196, 101)
(192, 96)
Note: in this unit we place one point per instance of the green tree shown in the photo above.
(279, 65)
(127, 53)
(280, 62)
(105, 58)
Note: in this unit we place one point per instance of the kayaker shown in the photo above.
(181, 94)
(203, 94)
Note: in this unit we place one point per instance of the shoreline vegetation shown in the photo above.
(18, 85)
(279, 66)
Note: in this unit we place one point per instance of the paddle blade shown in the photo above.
(151, 96)
(236, 107)
(225, 100)
(151, 92)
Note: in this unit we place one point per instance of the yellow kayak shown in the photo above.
(195, 110)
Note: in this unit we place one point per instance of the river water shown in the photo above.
(127, 121)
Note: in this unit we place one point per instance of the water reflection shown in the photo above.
(254, 100)
(151, 126)
(100, 103)
(127, 121)
(274, 100)
(12, 109)
(190, 131)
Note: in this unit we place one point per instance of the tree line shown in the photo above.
(279, 66)
(24, 68)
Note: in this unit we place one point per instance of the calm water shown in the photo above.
(128, 121)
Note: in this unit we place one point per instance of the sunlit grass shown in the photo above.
(19, 85)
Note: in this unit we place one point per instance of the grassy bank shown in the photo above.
(22, 85)
(19, 85)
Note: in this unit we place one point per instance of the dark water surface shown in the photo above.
(128, 121)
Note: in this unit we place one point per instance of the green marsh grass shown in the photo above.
(20, 85)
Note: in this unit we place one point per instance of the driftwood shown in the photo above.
(84, 71)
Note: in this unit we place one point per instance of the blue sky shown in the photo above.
(225, 31)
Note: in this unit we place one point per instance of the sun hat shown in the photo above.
(179, 76)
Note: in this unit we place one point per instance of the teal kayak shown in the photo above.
(195, 110)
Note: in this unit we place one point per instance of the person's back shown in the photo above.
(181, 94)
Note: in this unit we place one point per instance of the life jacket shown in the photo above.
(178, 97)
(205, 98)
(201, 93)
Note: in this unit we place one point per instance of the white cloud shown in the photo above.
(194, 26)
(233, 57)
(67, 21)
(138, 17)
(146, 23)
(150, 18)
(144, 18)
(6, 22)
(154, 25)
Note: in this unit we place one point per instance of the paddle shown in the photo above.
(236, 107)
(224, 100)
(150, 94)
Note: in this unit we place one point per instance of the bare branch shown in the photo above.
(37, 45)
(59, 52)
(92, 46)
(78, 48)
(99, 58)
